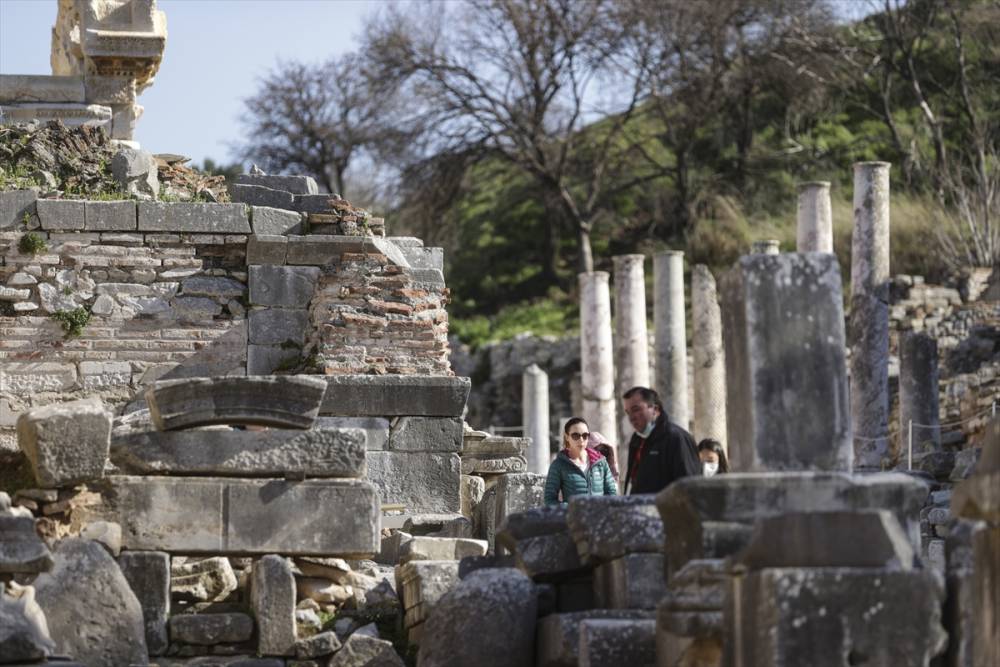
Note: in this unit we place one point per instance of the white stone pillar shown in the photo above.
(766, 247)
(671, 335)
(814, 218)
(709, 358)
(597, 370)
(918, 391)
(631, 337)
(869, 324)
(535, 417)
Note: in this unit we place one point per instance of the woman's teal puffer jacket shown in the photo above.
(565, 476)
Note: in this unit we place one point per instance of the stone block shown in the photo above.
(282, 286)
(440, 548)
(266, 249)
(28, 377)
(421, 481)
(496, 606)
(786, 373)
(424, 582)
(15, 205)
(392, 544)
(473, 464)
(376, 429)
(272, 453)
(978, 497)
(828, 539)
(634, 581)
(471, 491)
(317, 646)
(548, 557)
(970, 612)
(711, 517)
(470, 564)
(91, 611)
(834, 616)
(136, 172)
(272, 598)
(617, 642)
(212, 287)
(426, 434)
(60, 214)
(297, 185)
(424, 258)
(438, 525)
(229, 516)
(321, 250)
(106, 533)
(278, 326)
(266, 359)
(259, 195)
(608, 527)
(21, 550)
(495, 447)
(186, 217)
(66, 443)
(42, 88)
(361, 650)
(274, 221)
(516, 493)
(314, 203)
(202, 580)
(558, 635)
(148, 574)
(285, 401)
(211, 629)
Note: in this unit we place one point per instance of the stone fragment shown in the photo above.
(540, 541)
(828, 539)
(323, 591)
(24, 634)
(148, 575)
(476, 465)
(426, 434)
(617, 642)
(284, 401)
(212, 287)
(297, 185)
(185, 217)
(438, 525)
(92, 613)
(363, 651)
(978, 497)
(282, 286)
(21, 550)
(275, 221)
(66, 443)
(198, 515)
(421, 481)
(440, 548)
(318, 645)
(279, 326)
(259, 195)
(786, 376)
(107, 216)
(136, 173)
(495, 446)
(15, 207)
(205, 580)
(209, 629)
(272, 598)
(421, 583)
(516, 493)
(558, 638)
(834, 616)
(376, 429)
(326, 453)
(395, 395)
(634, 581)
(497, 607)
(106, 533)
(268, 359)
(608, 527)
(266, 249)
(60, 214)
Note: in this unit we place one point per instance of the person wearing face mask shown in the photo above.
(713, 457)
(577, 469)
(660, 452)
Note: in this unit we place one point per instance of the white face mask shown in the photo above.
(710, 469)
(644, 433)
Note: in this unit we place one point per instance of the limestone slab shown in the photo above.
(259, 195)
(66, 443)
(395, 395)
(279, 326)
(516, 493)
(148, 574)
(21, 550)
(209, 629)
(282, 286)
(60, 214)
(272, 453)
(228, 516)
(286, 401)
(426, 434)
(438, 525)
(634, 581)
(421, 481)
(41, 88)
(266, 249)
(297, 185)
(376, 429)
(272, 598)
(186, 217)
(421, 547)
(15, 205)
(608, 527)
(267, 359)
(473, 464)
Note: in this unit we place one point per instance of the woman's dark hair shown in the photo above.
(711, 445)
(572, 421)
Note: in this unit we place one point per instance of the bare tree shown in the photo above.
(520, 80)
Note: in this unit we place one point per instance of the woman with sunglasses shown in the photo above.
(578, 469)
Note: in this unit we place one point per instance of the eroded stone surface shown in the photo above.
(148, 574)
(608, 527)
(66, 443)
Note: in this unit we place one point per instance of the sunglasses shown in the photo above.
(580, 436)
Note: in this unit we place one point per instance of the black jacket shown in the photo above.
(670, 453)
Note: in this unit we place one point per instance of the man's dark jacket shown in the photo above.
(670, 453)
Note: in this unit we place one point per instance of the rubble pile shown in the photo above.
(51, 157)
(182, 183)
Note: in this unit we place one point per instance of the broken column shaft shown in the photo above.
(597, 372)
(709, 358)
(814, 218)
(671, 336)
(631, 339)
(535, 416)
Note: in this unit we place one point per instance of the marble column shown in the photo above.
(869, 323)
(671, 335)
(631, 338)
(535, 417)
(918, 390)
(709, 358)
(597, 370)
(814, 218)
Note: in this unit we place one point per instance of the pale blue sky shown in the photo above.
(215, 51)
